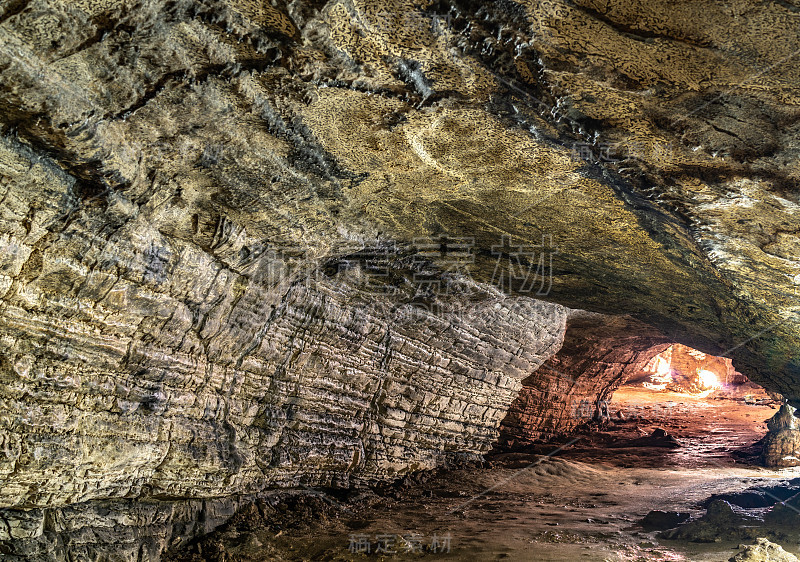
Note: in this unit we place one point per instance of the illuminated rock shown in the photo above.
(782, 443)
(763, 551)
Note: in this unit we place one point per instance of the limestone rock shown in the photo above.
(782, 442)
(722, 521)
(658, 520)
(574, 386)
(784, 419)
(115, 529)
(763, 551)
(254, 244)
(759, 496)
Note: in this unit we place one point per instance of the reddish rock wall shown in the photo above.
(598, 355)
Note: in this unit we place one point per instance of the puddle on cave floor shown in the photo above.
(583, 504)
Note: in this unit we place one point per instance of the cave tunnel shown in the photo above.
(669, 405)
(399, 280)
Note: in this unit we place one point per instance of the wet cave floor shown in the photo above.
(584, 502)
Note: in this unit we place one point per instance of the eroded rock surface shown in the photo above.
(782, 442)
(227, 228)
(743, 517)
(763, 551)
(110, 530)
(575, 385)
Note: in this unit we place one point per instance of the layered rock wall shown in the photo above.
(136, 364)
(132, 530)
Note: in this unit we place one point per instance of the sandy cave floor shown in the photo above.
(582, 504)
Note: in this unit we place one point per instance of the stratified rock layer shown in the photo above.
(110, 530)
(206, 382)
(575, 386)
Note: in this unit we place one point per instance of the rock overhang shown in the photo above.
(174, 173)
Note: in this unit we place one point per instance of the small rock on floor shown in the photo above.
(658, 520)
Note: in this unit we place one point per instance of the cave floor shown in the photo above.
(714, 431)
(581, 504)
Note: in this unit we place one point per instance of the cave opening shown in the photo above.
(682, 407)
(622, 446)
(649, 405)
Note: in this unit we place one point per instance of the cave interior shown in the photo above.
(399, 279)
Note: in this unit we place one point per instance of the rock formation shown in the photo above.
(575, 385)
(249, 244)
(782, 443)
(762, 551)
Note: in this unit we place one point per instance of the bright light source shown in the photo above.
(662, 373)
(662, 367)
(707, 380)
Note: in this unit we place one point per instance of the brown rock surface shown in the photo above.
(575, 385)
(782, 443)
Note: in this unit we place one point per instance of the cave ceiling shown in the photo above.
(649, 149)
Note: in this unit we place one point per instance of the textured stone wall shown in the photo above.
(140, 365)
(782, 442)
(657, 155)
(188, 190)
(137, 363)
(110, 530)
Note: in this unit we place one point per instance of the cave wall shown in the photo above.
(194, 194)
(325, 389)
(139, 365)
(639, 141)
(135, 530)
